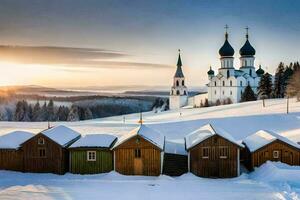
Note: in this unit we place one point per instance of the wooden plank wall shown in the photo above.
(80, 165)
(55, 161)
(11, 160)
(214, 166)
(150, 155)
(287, 154)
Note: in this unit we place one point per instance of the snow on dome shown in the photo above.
(14, 139)
(205, 132)
(262, 138)
(61, 134)
(145, 132)
(95, 140)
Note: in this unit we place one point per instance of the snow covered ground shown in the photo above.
(271, 181)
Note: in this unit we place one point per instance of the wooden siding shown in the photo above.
(214, 166)
(80, 165)
(150, 157)
(56, 159)
(11, 159)
(287, 154)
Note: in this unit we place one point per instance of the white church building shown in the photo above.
(228, 83)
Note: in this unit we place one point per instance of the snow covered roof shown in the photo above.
(206, 132)
(61, 134)
(95, 140)
(14, 139)
(145, 132)
(262, 138)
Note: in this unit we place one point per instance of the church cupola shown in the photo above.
(226, 52)
(179, 73)
(247, 53)
(210, 73)
(260, 71)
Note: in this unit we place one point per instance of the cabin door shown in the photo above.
(138, 166)
(214, 162)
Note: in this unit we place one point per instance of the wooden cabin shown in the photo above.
(91, 154)
(213, 153)
(47, 151)
(139, 152)
(11, 155)
(266, 145)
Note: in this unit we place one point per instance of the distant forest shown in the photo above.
(26, 111)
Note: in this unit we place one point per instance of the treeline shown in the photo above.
(83, 110)
(286, 83)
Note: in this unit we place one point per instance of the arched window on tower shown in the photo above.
(184, 92)
(182, 82)
(177, 83)
(177, 92)
(230, 83)
(248, 82)
(245, 62)
(250, 72)
(241, 83)
(228, 74)
(223, 83)
(215, 83)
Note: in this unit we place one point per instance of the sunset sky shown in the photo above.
(78, 43)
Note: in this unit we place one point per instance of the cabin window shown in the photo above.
(137, 153)
(266, 154)
(205, 152)
(91, 156)
(223, 152)
(41, 141)
(215, 140)
(42, 152)
(275, 154)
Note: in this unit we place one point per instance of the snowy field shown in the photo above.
(271, 181)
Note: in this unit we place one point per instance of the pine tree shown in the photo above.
(50, 111)
(36, 112)
(73, 114)
(293, 88)
(30, 112)
(19, 112)
(248, 94)
(279, 83)
(88, 114)
(265, 86)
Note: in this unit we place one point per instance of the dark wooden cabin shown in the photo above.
(213, 153)
(11, 155)
(140, 152)
(266, 145)
(91, 154)
(47, 151)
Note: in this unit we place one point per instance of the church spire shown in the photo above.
(179, 72)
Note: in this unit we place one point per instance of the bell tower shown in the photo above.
(179, 94)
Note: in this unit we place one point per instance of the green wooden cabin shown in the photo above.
(91, 154)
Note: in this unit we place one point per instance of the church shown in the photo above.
(228, 83)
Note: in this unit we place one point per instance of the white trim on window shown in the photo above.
(91, 155)
(276, 154)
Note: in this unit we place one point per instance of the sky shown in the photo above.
(82, 43)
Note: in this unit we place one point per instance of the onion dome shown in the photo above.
(260, 71)
(226, 50)
(179, 73)
(210, 72)
(247, 49)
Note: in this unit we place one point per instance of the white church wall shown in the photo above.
(176, 102)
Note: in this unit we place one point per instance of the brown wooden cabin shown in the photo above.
(266, 145)
(92, 154)
(47, 151)
(140, 152)
(213, 153)
(11, 155)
